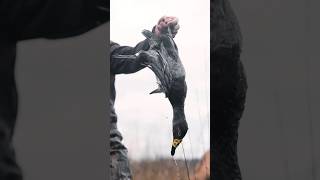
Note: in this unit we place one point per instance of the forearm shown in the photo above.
(116, 49)
(123, 59)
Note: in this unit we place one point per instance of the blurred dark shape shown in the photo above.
(229, 90)
(31, 19)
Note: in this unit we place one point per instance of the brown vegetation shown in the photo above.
(202, 170)
(166, 169)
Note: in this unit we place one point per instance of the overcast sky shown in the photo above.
(144, 120)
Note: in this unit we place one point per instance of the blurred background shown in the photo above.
(61, 124)
(279, 134)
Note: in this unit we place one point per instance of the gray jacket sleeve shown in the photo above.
(126, 65)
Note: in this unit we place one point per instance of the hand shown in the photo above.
(165, 22)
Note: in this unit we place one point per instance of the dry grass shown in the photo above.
(162, 169)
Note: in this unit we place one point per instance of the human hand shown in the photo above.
(165, 22)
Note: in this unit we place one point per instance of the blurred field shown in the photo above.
(162, 169)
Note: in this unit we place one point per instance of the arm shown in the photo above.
(124, 65)
(123, 58)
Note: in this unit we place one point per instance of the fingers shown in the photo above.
(157, 30)
(161, 19)
(165, 22)
(172, 21)
(168, 21)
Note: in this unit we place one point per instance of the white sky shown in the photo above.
(144, 120)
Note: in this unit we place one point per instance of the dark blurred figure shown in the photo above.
(30, 19)
(229, 90)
